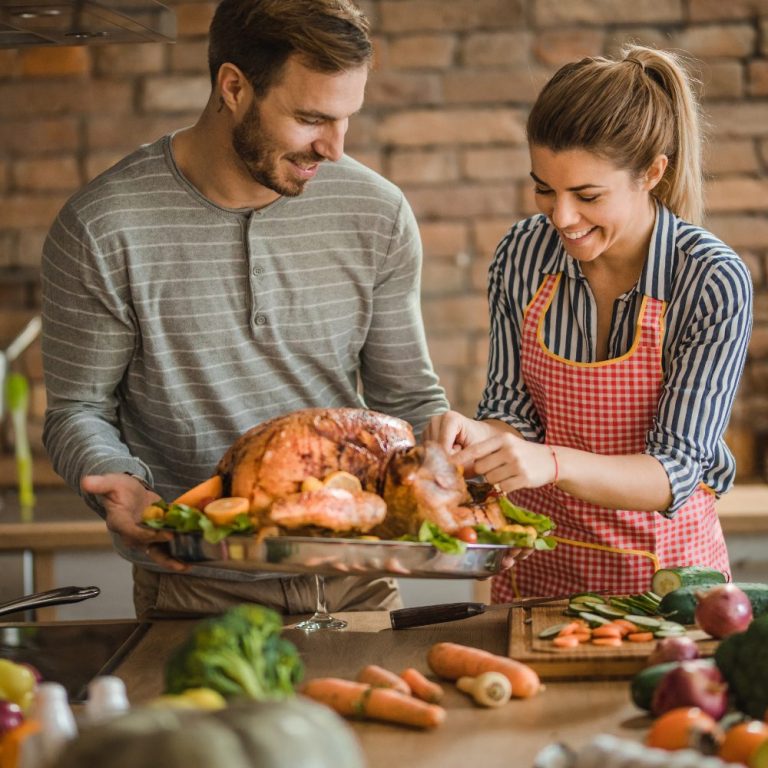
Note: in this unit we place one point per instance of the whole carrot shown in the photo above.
(452, 661)
(382, 678)
(420, 687)
(353, 699)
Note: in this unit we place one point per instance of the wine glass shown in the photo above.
(321, 619)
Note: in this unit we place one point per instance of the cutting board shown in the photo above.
(587, 661)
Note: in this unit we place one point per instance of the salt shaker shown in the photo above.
(107, 698)
(57, 726)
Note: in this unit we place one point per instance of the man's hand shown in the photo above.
(124, 499)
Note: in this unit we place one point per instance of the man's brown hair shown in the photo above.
(258, 36)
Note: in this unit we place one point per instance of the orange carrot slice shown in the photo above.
(640, 637)
(614, 642)
(565, 641)
(208, 489)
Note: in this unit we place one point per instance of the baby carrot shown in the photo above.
(452, 661)
(640, 637)
(420, 687)
(352, 699)
(382, 678)
(583, 637)
(565, 641)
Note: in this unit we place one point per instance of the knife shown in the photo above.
(420, 615)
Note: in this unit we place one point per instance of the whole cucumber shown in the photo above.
(680, 604)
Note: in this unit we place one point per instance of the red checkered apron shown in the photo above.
(605, 407)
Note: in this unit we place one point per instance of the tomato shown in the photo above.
(742, 740)
(467, 534)
(683, 728)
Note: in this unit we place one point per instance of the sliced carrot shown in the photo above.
(382, 678)
(208, 489)
(452, 661)
(421, 687)
(352, 699)
(611, 641)
(582, 637)
(606, 630)
(565, 641)
(626, 625)
(569, 629)
(640, 637)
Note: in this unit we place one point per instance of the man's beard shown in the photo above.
(258, 154)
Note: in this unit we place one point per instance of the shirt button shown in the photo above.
(260, 319)
(257, 271)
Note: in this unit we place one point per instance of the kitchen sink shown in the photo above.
(71, 653)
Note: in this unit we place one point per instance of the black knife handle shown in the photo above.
(418, 616)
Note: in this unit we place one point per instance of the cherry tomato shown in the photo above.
(467, 534)
(742, 740)
(683, 728)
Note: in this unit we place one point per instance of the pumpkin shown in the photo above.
(252, 734)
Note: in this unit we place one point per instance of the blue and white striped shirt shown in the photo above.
(708, 322)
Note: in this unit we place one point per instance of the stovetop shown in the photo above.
(71, 653)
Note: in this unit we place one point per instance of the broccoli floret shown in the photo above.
(239, 653)
(743, 660)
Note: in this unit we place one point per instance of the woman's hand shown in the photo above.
(124, 498)
(509, 462)
(455, 432)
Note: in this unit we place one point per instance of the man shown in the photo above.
(236, 270)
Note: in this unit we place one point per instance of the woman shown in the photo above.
(618, 337)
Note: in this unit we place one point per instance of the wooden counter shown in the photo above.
(571, 712)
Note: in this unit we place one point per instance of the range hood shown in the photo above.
(26, 23)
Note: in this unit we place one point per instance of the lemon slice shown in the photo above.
(343, 480)
(224, 511)
(311, 483)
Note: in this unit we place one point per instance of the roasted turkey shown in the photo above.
(401, 484)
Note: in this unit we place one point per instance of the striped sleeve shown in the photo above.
(505, 396)
(395, 368)
(702, 376)
(88, 340)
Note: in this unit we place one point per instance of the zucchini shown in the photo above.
(680, 605)
(644, 683)
(666, 580)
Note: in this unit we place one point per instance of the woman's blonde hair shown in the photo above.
(628, 110)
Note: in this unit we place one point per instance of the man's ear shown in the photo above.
(234, 88)
(655, 171)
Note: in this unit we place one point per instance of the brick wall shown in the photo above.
(444, 119)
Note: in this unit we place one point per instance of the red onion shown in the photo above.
(723, 610)
(10, 716)
(673, 649)
(691, 684)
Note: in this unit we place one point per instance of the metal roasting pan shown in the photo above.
(328, 556)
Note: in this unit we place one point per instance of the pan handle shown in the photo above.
(58, 596)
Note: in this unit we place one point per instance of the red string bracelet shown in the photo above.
(557, 465)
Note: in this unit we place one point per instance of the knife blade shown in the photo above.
(421, 615)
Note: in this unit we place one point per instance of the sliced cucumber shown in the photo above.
(609, 611)
(645, 622)
(666, 580)
(586, 597)
(593, 619)
(552, 631)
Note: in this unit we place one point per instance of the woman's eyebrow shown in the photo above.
(580, 188)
